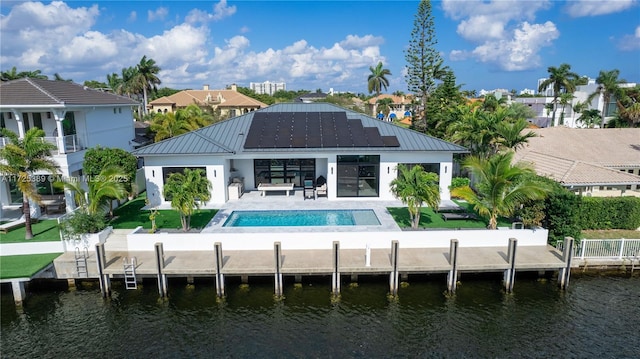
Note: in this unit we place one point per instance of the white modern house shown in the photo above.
(356, 155)
(73, 117)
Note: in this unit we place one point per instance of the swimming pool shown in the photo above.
(305, 218)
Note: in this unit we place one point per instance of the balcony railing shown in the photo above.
(66, 144)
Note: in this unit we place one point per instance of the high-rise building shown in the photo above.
(267, 87)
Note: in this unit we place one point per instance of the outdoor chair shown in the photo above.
(321, 186)
(309, 189)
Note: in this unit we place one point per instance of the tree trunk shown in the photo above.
(26, 211)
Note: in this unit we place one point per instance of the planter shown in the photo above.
(87, 240)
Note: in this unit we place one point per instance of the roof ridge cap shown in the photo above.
(197, 133)
(34, 84)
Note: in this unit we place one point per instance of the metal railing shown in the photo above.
(65, 144)
(605, 248)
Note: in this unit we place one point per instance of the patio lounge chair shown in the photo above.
(4, 228)
(309, 189)
(321, 187)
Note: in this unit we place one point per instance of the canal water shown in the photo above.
(598, 317)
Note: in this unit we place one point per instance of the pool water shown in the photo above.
(345, 217)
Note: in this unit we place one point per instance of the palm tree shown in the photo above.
(103, 188)
(561, 79)
(10, 75)
(20, 159)
(182, 121)
(115, 83)
(609, 85)
(377, 79)
(187, 190)
(512, 135)
(590, 118)
(565, 99)
(500, 187)
(147, 77)
(414, 186)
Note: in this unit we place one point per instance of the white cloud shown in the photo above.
(504, 30)
(220, 11)
(630, 42)
(133, 16)
(159, 14)
(521, 51)
(580, 8)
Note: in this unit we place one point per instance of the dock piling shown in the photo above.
(335, 277)
(510, 273)
(19, 294)
(452, 277)
(105, 281)
(219, 276)
(393, 278)
(567, 255)
(162, 278)
(277, 251)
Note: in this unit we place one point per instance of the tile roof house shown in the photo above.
(591, 161)
(400, 107)
(73, 117)
(355, 154)
(229, 102)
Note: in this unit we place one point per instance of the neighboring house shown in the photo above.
(593, 162)
(229, 102)
(356, 154)
(311, 97)
(400, 107)
(73, 117)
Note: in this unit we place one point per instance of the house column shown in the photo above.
(446, 169)
(18, 116)
(59, 117)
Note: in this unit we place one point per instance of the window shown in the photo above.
(2, 123)
(358, 176)
(284, 171)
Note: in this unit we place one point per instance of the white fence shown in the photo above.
(605, 248)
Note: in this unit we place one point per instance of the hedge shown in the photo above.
(609, 213)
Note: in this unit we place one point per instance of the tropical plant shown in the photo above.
(384, 105)
(108, 185)
(511, 135)
(608, 86)
(561, 79)
(147, 77)
(20, 159)
(187, 191)
(565, 99)
(377, 80)
(415, 187)
(500, 187)
(590, 118)
(424, 64)
(98, 158)
(13, 74)
(182, 121)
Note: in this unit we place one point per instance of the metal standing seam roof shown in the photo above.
(27, 92)
(228, 136)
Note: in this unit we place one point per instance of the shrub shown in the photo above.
(457, 182)
(83, 222)
(610, 213)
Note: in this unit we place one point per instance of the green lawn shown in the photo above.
(24, 266)
(430, 219)
(131, 215)
(43, 231)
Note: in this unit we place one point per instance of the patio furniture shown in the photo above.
(265, 187)
(321, 187)
(4, 228)
(458, 216)
(309, 189)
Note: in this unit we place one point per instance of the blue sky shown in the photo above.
(319, 44)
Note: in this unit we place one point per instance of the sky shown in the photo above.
(310, 45)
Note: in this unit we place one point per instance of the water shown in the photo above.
(304, 218)
(597, 317)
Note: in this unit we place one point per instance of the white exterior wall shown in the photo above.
(109, 129)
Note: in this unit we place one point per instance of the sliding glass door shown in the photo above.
(284, 171)
(358, 176)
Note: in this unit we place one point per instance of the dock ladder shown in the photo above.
(130, 273)
(81, 262)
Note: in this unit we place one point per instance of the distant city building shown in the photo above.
(528, 92)
(267, 87)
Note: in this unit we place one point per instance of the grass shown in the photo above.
(24, 266)
(43, 231)
(610, 234)
(131, 215)
(431, 219)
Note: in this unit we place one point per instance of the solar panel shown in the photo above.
(357, 134)
(373, 137)
(390, 141)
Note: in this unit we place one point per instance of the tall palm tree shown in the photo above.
(115, 83)
(187, 190)
(590, 118)
(414, 186)
(378, 79)
(565, 99)
(608, 85)
(147, 77)
(561, 79)
(10, 75)
(500, 186)
(512, 135)
(20, 159)
(182, 121)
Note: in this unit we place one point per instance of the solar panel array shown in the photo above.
(312, 130)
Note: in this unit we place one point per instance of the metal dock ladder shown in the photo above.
(81, 262)
(130, 273)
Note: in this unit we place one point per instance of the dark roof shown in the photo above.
(36, 92)
(230, 136)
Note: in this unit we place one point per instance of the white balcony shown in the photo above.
(65, 144)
